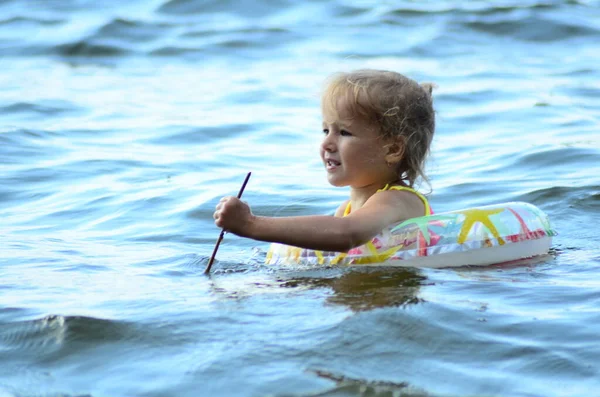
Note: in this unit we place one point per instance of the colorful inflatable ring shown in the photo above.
(471, 237)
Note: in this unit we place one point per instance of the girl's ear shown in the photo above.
(395, 151)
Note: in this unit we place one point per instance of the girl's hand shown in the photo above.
(233, 215)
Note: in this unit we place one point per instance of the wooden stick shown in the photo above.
(212, 258)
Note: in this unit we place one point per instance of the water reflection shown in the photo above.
(363, 289)
(346, 386)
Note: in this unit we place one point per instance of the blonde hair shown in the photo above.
(401, 108)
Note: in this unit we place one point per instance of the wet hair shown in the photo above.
(401, 108)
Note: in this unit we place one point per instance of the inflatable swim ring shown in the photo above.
(470, 237)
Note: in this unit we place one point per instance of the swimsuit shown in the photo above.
(428, 210)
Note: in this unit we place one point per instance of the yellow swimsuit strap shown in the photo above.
(408, 189)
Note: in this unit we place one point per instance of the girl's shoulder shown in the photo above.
(411, 197)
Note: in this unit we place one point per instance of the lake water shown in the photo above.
(123, 123)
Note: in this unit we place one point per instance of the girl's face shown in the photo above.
(352, 151)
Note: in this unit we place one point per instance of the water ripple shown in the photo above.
(123, 123)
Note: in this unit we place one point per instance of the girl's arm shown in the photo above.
(328, 233)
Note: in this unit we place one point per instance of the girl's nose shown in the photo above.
(328, 143)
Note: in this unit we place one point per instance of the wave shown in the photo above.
(247, 8)
(533, 28)
(24, 22)
(185, 28)
(88, 48)
(583, 198)
(533, 23)
(576, 156)
(41, 108)
(67, 334)
(133, 31)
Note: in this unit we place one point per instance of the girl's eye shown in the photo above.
(325, 131)
(345, 133)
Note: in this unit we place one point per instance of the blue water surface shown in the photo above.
(123, 123)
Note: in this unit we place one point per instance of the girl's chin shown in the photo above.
(336, 181)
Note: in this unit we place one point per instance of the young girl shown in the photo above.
(377, 130)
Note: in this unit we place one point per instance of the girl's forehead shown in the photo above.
(344, 116)
(338, 109)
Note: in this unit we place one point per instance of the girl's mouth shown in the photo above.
(331, 164)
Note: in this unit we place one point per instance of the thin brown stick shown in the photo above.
(212, 257)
